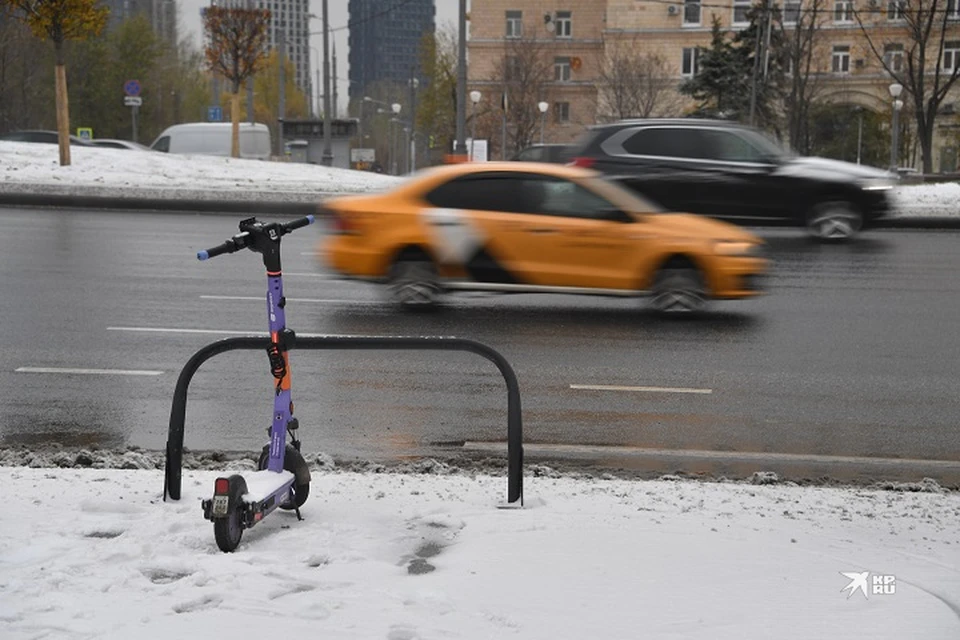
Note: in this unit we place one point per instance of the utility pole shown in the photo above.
(462, 79)
(327, 159)
(283, 91)
(249, 83)
(758, 54)
(336, 107)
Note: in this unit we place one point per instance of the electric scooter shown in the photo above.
(283, 477)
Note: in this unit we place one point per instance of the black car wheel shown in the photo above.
(414, 283)
(834, 220)
(679, 290)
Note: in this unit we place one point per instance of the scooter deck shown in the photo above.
(262, 484)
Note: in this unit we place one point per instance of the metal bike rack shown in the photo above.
(174, 456)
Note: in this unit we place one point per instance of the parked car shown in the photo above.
(735, 173)
(521, 227)
(111, 143)
(38, 135)
(543, 153)
(214, 138)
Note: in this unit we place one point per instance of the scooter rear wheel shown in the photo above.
(294, 463)
(229, 529)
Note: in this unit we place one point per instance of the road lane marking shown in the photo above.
(312, 300)
(704, 454)
(610, 387)
(104, 372)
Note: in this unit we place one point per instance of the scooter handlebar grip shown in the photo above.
(299, 222)
(227, 247)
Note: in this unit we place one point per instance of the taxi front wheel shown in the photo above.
(414, 284)
(678, 290)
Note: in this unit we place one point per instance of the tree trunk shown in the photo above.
(235, 121)
(63, 109)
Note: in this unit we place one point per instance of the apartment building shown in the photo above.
(290, 26)
(582, 39)
(162, 15)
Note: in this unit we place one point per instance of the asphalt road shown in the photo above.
(847, 369)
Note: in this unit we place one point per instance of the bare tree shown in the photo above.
(634, 83)
(523, 75)
(236, 49)
(918, 64)
(800, 39)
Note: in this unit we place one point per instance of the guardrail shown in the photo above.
(174, 453)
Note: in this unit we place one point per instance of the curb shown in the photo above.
(295, 208)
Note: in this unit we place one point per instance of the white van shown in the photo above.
(213, 139)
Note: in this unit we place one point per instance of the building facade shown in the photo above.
(162, 15)
(289, 26)
(584, 43)
(385, 42)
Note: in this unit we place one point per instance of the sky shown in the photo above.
(426, 552)
(447, 11)
(95, 553)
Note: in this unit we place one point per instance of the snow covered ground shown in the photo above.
(34, 168)
(95, 553)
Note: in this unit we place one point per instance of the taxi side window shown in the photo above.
(478, 193)
(558, 197)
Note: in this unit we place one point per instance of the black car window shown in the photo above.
(668, 142)
(729, 147)
(534, 154)
(163, 144)
(559, 197)
(480, 193)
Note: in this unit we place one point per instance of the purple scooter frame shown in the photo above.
(283, 481)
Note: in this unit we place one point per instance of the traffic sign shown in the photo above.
(85, 133)
(131, 87)
(132, 101)
(214, 114)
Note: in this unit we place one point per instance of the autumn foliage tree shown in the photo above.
(236, 49)
(59, 21)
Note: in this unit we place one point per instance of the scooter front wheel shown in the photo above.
(229, 529)
(294, 463)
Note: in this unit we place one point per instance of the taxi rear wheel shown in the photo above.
(414, 283)
(679, 289)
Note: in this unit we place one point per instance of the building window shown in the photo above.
(791, 12)
(512, 70)
(564, 24)
(691, 12)
(951, 55)
(561, 112)
(561, 69)
(688, 66)
(841, 59)
(740, 10)
(893, 57)
(843, 11)
(895, 9)
(514, 24)
(788, 66)
(953, 9)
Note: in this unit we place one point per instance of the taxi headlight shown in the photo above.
(737, 248)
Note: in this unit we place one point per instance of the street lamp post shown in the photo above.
(895, 90)
(327, 158)
(395, 107)
(543, 106)
(412, 157)
(474, 99)
(859, 111)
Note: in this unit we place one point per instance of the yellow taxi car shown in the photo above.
(517, 227)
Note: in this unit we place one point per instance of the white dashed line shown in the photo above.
(101, 372)
(607, 387)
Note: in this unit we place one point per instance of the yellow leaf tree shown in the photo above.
(235, 49)
(59, 21)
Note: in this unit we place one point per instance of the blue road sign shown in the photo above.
(131, 87)
(214, 114)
